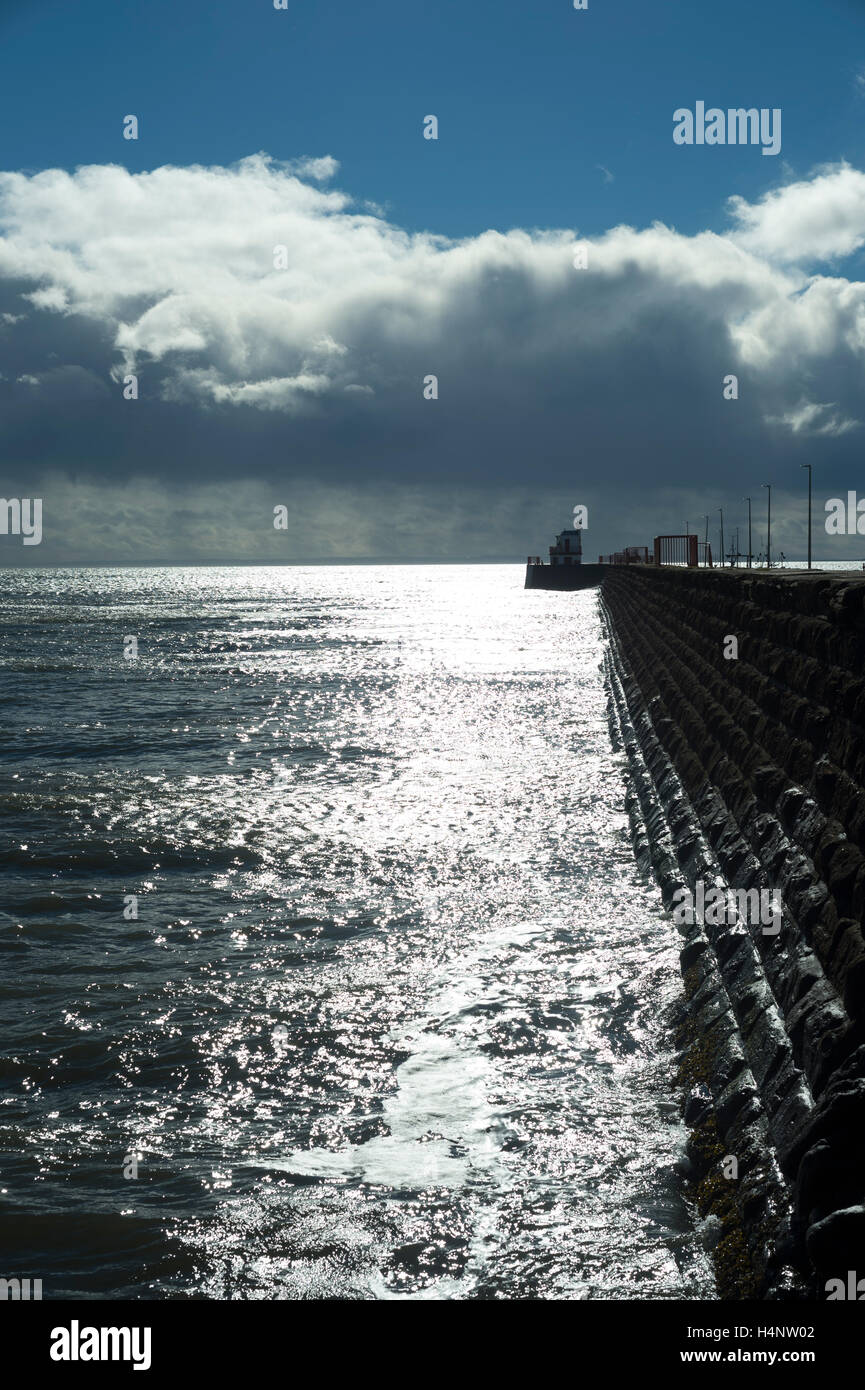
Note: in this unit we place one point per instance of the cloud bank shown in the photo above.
(281, 333)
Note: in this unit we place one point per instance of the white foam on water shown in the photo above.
(443, 1130)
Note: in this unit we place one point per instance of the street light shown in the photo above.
(721, 510)
(768, 527)
(808, 466)
(748, 500)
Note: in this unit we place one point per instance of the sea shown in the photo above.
(328, 969)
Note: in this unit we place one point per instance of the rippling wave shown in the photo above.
(390, 1020)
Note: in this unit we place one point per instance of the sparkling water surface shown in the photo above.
(393, 1018)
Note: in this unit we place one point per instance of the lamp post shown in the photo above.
(748, 500)
(706, 542)
(808, 466)
(721, 510)
(768, 527)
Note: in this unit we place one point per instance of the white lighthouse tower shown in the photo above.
(568, 549)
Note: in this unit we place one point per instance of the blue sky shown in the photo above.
(531, 98)
(301, 386)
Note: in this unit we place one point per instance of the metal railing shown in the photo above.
(676, 550)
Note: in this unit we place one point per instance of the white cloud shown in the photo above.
(174, 270)
(52, 298)
(179, 265)
(319, 169)
(814, 417)
(274, 393)
(814, 219)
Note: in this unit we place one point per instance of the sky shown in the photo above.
(281, 261)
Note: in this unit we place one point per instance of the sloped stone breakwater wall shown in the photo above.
(749, 774)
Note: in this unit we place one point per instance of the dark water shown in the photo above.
(389, 1021)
